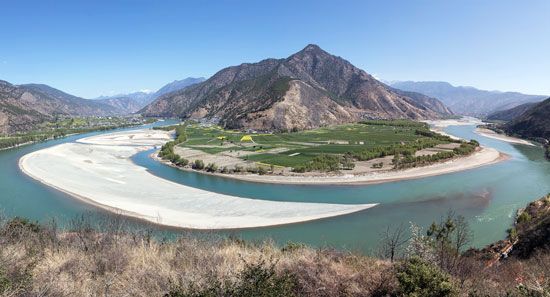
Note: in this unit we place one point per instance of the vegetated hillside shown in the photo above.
(468, 100)
(510, 114)
(532, 229)
(17, 114)
(53, 101)
(309, 89)
(23, 107)
(533, 123)
(133, 102)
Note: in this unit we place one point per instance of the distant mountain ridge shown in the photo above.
(177, 85)
(308, 89)
(133, 102)
(468, 100)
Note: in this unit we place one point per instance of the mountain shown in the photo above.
(432, 103)
(533, 123)
(308, 89)
(178, 85)
(22, 107)
(133, 102)
(53, 101)
(510, 114)
(127, 103)
(468, 100)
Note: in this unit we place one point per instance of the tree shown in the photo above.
(392, 241)
(449, 237)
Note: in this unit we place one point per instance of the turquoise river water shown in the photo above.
(488, 197)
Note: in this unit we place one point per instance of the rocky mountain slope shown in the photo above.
(468, 100)
(510, 114)
(533, 123)
(133, 102)
(22, 107)
(308, 89)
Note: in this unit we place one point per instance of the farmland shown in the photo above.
(360, 141)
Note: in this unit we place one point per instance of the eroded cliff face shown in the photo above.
(302, 107)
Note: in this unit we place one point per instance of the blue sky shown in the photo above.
(90, 48)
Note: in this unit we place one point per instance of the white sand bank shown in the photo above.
(492, 134)
(98, 170)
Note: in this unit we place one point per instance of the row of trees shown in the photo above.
(403, 149)
(9, 142)
(409, 160)
(396, 123)
(327, 163)
(167, 150)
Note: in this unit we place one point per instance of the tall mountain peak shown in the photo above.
(308, 89)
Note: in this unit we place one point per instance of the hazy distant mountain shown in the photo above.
(308, 89)
(433, 103)
(24, 106)
(133, 102)
(510, 114)
(532, 123)
(178, 85)
(468, 100)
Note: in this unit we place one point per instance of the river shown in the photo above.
(488, 196)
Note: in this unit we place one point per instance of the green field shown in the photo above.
(298, 148)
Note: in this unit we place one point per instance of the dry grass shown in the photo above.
(39, 261)
(123, 263)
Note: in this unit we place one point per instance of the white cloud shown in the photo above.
(146, 91)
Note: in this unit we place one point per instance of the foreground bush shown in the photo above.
(419, 278)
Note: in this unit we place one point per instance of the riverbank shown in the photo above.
(32, 137)
(98, 170)
(483, 157)
(492, 134)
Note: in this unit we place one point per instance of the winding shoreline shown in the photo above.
(492, 134)
(98, 171)
(486, 156)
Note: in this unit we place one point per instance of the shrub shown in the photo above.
(524, 217)
(198, 165)
(418, 278)
(182, 162)
(211, 167)
(259, 280)
(262, 170)
(378, 165)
